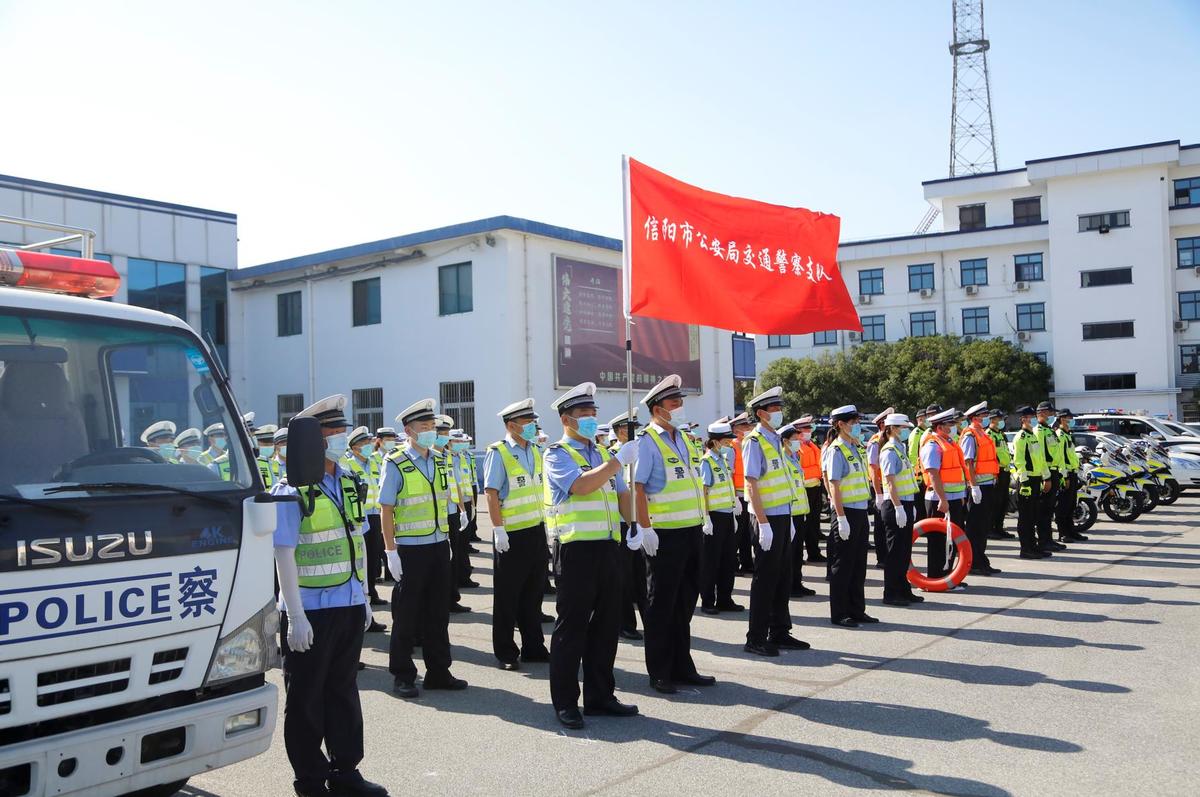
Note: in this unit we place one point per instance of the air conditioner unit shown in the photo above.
(1022, 286)
(926, 293)
(1180, 326)
(1102, 229)
(1024, 337)
(1197, 270)
(968, 338)
(854, 336)
(972, 290)
(864, 298)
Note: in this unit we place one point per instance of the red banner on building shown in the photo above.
(700, 257)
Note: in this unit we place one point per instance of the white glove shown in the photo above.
(707, 527)
(649, 539)
(1022, 478)
(500, 539)
(633, 538)
(737, 507)
(393, 560)
(880, 500)
(765, 536)
(627, 454)
(462, 519)
(370, 616)
(901, 516)
(976, 495)
(300, 633)
(843, 527)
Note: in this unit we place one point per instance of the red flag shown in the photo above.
(699, 257)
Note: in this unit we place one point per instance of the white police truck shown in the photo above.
(137, 615)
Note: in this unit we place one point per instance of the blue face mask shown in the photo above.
(440, 440)
(458, 446)
(529, 432)
(856, 431)
(954, 433)
(904, 434)
(367, 450)
(266, 451)
(427, 438)
(219, 443)
(1070, 423)
(587, 426)
(1034, 423)
(1000, 424)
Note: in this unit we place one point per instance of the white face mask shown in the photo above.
(335, 446)
(794, 445)
(806, 436)
(776, 419)
(266, 451)
(283, 451)
(679, 416)
(389, 445)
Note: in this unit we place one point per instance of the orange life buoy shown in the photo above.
(959, 537)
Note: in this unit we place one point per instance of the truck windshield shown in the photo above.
(95, 401)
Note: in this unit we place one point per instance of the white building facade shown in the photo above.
(1091, 261)
(475, 315)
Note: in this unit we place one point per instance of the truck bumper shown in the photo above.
(152, 749)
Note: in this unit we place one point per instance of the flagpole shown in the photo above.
(627, 270)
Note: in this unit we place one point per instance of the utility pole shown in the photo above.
(972, 134)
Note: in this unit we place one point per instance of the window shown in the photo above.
(873, 328)
(974, 272)
(287, 405)
(1105, 330)
(1189, 359)
(743, 357)
(214, 309)
(1027, 211)
(54, 250)
(366, 302)
(1028, 267)
(1100, 277)
(976, 321)
(779, 341)
(1041, 355)
(454, 289)
(1187, 252)
(826, 338)
(288, 314)
(457, 399)
(1094, 221)
(1110, 381)
(1031, 317)
(971, 217)
(1187, 192)
(870, 282)
(923, 324)
(366, 406)
(920, 277)
(1189, 305)
(158, 286)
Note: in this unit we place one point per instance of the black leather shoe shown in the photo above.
(896, 602)
(710, 610)
(458, 608)
(509, 666)
(761, 649)
(547, 618)
(377, 627)
(865, 618)
(1077, 538)
(991, 571)
(916, 599)
(664, 686)
(468, 584)
(310, 788)
(980, 571)
(549, 590)
(731, 607)
(536, 656)
(789, 642)
(362, 665)
(353, 784)
(570, 718)
(378, 601)
(612, 708)
(1054, 546)
(631, 634)
(696, 679)
(817, 558)
(802, 592)
(406, 689)
(1031, 555)
(447, 682)
(845, 622)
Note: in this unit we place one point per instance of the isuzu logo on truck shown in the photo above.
(82, 548)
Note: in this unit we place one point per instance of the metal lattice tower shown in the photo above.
(972, 135)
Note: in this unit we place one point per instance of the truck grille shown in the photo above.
(168, 665)
(79, 683)
(5, 696)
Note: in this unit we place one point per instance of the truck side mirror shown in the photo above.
(305, 452)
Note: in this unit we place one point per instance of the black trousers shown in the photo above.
(321, 703)
(919, 503)
(937, 539)
(672, 587)
(796, 549)
(373, 541)
(879, 533)
(471, 532)
(589, 620)
(1064, 509)
(979, 523)
(771, 587)
(745, 537)
(520, 574)
(632, 566)
(1029, 499)
(848, 566)
(460, 553)
(812, 522)
(1045, 512)
(718, 561)
(898, 557)
(419, 607)
(1000, 500)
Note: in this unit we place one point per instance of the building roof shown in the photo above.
(120, 200)
(424, 237)
(1093, 153)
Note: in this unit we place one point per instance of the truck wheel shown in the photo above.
(162, 790)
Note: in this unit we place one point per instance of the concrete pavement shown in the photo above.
(1070, 675)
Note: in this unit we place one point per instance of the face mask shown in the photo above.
(954, 434)
(794, 445)
(1033, 424)
(587, 426)
(678, 416)
(529, 432)
(776, 419)
(193, 452)
(458, 446)
(427, 438)
(219, 443)
(806, 436)
(389, 445)
(905, 434)
(266, 451)
(367, 450)
(167, 449)
(335, 447)
(283, 451)
(1000, 424)
(856, 431)
(1071, 423)
(441, 440)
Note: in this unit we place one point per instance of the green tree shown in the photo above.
(911, 373)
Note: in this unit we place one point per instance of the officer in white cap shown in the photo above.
(741, 425)
(586, 498)
(464, 468)
(279, 461)
(456, 517)
(319, 556)
(800, 510)
(414, 496)
(363, 461)
(512, 488)
(189, 447)
(873, 444)
(810, 468)
(718, 560)
(947, 483)
(217, 443)
(632, 562)
(982, 467)
(386, 441)
(264, 441)
(672, 520)
(160, 436)
(770, 490)
(850, 496)
(899, 489)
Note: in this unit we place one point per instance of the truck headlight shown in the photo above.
(245, 651)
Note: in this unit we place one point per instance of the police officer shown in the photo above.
(800, 511)
(1052, 450)
(914, 458)
(741, 425)
(189, 447)
(214, 433)
(386, 441)
(947, 483)
(319, 562)
(850, 497)
(586, 498)
(669, 498)
(982, 467)
(264, 441)
(810, 468)
(464, 472)
(900, 489)
(456, 519)
(362, 459)
(718, 559)
(1003, 478)
(632, 562)
(512, 487)
(1033, 482)
(160, 436)
(280, 458)
(879, 536)
(1064, 514)
(414, 497)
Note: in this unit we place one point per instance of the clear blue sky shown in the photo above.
(325, 124)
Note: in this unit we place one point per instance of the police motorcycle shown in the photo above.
(1157, 462)
(1142, 475)
(1087, 500)
(1114, 485)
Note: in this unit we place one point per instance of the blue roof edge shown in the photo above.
(17, 183)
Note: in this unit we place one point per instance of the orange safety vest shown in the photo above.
(738, 470)
(985, 453)
(952, 471)
(810, 460)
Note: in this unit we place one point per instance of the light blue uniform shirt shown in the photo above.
(706, 471)
(287, 535)
(931, 459)
(873, 452)
(838, 469)
(892, 464)
(649, 470)
(391, 482)
(495, 477)
(561, 470)
(754, 463)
